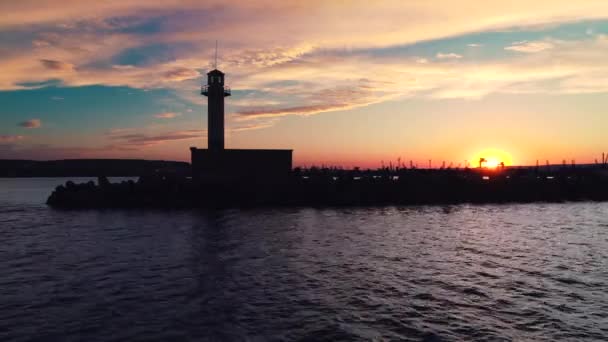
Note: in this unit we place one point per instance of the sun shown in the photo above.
(491, 159)
(492, 163)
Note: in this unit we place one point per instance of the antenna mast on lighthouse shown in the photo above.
(215, 65)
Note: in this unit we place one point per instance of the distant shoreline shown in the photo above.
(89, 168)
(15, 168)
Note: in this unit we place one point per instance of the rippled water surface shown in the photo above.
(444, 273)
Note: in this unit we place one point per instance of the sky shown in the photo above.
(345, 83)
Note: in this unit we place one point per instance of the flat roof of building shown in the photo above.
(242, 149)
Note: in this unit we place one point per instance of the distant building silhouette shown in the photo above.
(219, 165)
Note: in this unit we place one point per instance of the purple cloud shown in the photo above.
(144, 139)
(56, 65)
(32, 123)
(10, 138)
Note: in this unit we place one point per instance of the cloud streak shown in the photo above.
(140, 139)
(530, 47)
(32, 123)
(180, 74)
(4, 139)
(56, 65)
(360, 94)
(297, 110)
(450, 55)
(167, 115)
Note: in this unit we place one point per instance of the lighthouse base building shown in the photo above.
(219, 165)
(233, 165)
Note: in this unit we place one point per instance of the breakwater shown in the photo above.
(343, 188)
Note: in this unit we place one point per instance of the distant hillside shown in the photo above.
(89, 168)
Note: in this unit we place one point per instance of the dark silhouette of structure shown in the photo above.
(236, 165)
(218, 165)
(338, 187)
(215, 91)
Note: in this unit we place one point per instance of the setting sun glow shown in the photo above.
(491, 159)
(492, 163)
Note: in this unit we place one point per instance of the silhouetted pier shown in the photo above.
(337, 187)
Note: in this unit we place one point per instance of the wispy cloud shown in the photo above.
(141, 139)
(119, 131)
(180, 74)
(450, 55)
(250, 126)
(167, 115)
(530, 47)
(297, 110)
(56, 65)
(32, 123)
(10, 138)
(323, 101)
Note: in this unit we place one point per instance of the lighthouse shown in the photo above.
(218, 165)
(215, 90)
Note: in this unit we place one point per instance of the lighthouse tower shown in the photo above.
(247, 167)
(215, 92)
